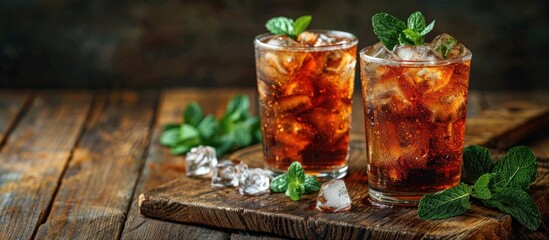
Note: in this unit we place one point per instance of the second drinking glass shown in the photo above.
(305, 100)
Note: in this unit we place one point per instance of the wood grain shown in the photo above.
(11, 104)
(97, 187)
(506, 123)
(193, 200)
(162, 167)
(34, 157)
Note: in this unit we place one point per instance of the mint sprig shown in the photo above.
(391, 31)
(502, 186)
(236, 129)
(287, 26)
(295, 183)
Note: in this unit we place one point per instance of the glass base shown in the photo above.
(387, 197)
(323, 175)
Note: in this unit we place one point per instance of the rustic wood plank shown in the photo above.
(34, 157)
(506, 123)
(192, 200)
(162, 167)
(11, 104)
(96, 190)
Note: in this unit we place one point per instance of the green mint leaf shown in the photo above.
(403, 40)
(481, 189)
(169, 126)
(193, 114)
(301, 24)
(446, 47)
(180, 149)
(238, 108)
(413, 36)
(416, 22)
(476, 161)
(517, 169)
(188, 132)
(295, 190)
(428, 28)
(518, 204)
(296, 173)
(208, 127)
(280, 25)
(311, 184)
(448, 203)
(222, 144)
(387, 28)
(170, 137)
(279, 183)
(242, 135)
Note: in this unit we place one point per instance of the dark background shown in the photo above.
(207, 43)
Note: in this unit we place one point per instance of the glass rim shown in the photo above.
(467, 56)
(350, 36)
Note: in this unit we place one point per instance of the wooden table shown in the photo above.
(72, 163)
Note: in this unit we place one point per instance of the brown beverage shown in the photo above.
(305, 100)
(414, 120)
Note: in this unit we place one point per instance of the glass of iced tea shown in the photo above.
(415, 101)
(305, 99)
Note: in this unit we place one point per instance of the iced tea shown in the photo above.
(305, 100)
(415, 104)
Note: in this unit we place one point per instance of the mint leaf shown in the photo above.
(445, 204)
(295, 190)
(187, 132)
(517, 169)
(279, 183)
(280, 25)
(416, 22)
(301, 24)
(169, 126)
(193, 114)
(413, 36)
(242, 135)
(296, 178)
(311, 184)
(476, 161)
(518, 204)
(238, 108)
(428, 28)
(170, 137)
(446, 46)
(208, 127)
(387, 28)
(481, 189)
(180, 149)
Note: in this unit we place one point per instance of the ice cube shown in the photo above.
(282, 41)
(295, 103)
(446, 107)
(254, 182)
(200, 161)
(416, 53)
(307, 38)
(407, 147)
(326, 40)
(387, 97)
(292, 137)
(340, 62)
(446, 44)
(429, 79)
(227, 173)
(276, 68)
(330, 124)
(333, 197)
(379, 50)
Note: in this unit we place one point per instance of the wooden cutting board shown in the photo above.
(191, 200)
